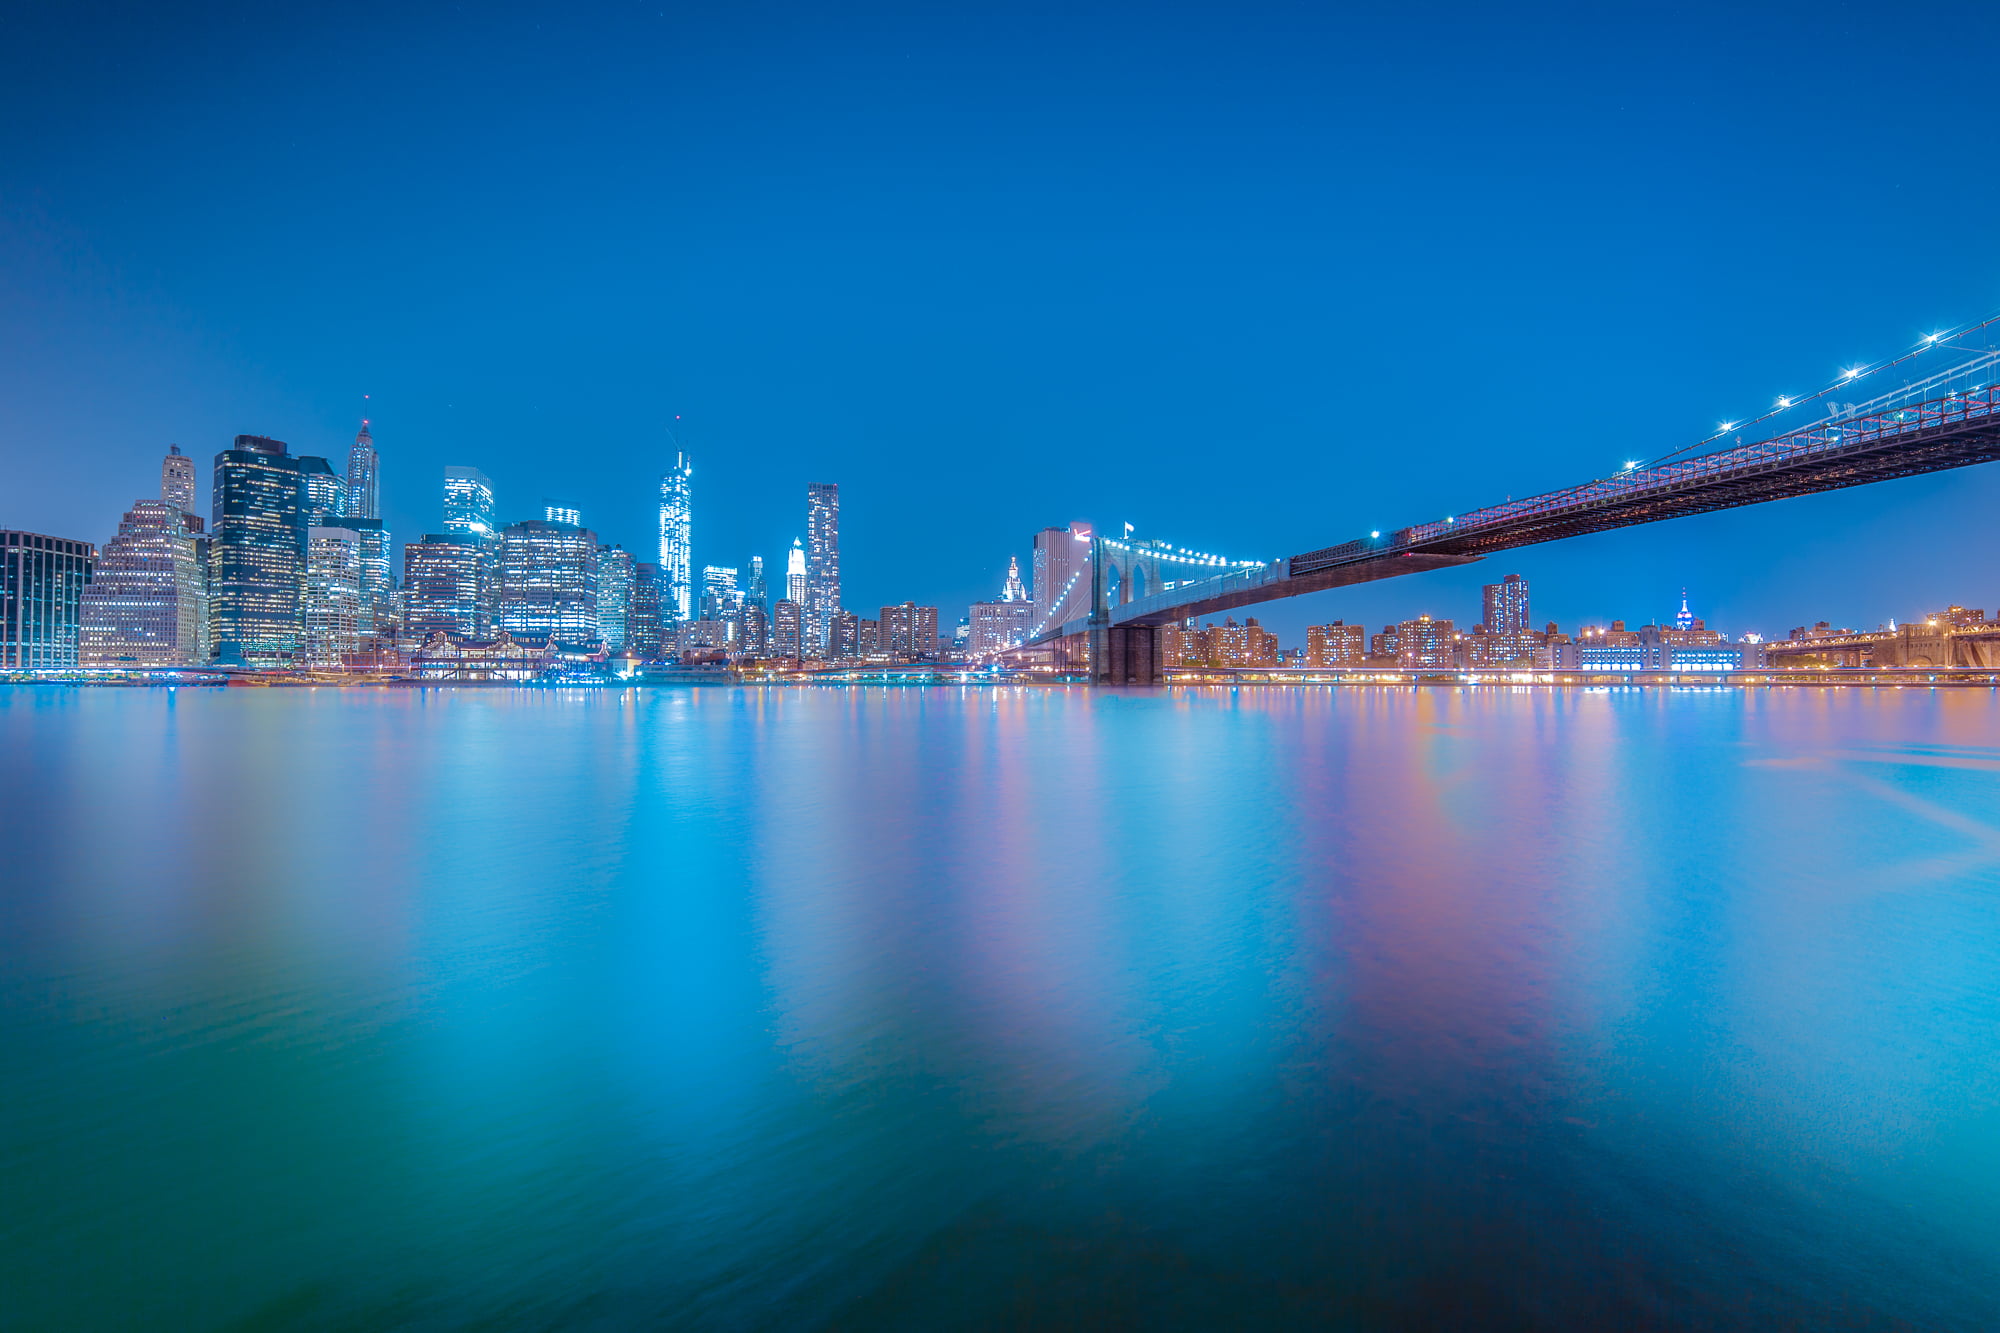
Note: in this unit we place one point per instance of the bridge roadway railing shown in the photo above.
(1826, 438)
(1796, 462)
(1822, 438)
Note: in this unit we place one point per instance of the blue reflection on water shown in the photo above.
(999, 1008)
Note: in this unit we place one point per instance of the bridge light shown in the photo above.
(1729, 425)
(1784, 401)
(1375, 534)
(1850, 373)
(1932, 337)
(1631, 464)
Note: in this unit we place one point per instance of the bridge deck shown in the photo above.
(1951, 432)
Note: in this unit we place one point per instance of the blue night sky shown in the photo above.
(1255, 278)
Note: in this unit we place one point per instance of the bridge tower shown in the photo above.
(1123, 572)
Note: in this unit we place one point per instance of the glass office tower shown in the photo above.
(257, 554)
(42, 580)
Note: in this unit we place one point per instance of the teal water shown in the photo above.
(960, 1009)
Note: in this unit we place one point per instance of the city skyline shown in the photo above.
(916, 339)
(527, 580)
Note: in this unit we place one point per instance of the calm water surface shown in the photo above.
(941, 1009)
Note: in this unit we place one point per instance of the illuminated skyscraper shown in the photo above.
(787, 628)
(177, 480)
(257, 555)
(556, 513)
(468, 502)
(378, 586)
(1062, 574)
(364, 493)
(644, 629)
(998, 626)
(909, 630)
(548, 580)
(322, 494)
(41, 589)
(147, 603)
(1505, 608)
(795, 575)
(720, 601)
(614, 595)
(822, 602)
(756, 593)
(1014, 590)
(1685, 619)
(448, 585)
(754, 640)
(330, 595)
(677, 538)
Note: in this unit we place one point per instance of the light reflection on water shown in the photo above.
(933, 1008)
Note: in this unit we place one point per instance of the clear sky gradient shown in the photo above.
(1255, 278)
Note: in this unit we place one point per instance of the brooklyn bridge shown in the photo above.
(1101, 600)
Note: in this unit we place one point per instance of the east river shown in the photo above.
(935, 1009)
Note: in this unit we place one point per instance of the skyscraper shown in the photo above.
(1062, 574)
(322, 494)
(614, 595)
(41, 588)
(720, 601)
(556, 513)
(330, 595)
(364, 494)
(1013, 590)
(468, 502)
(795, 574)
(787, 627)
(1505, 606)
(257, 555)
(378, 587)
(548, 580)
(822, 602)
(755, 592)
(677, 538)
(754, 640)
(448, 585)
(909, 630)
(998, 626)
(644, 629)
(147, 603)
(177, 480)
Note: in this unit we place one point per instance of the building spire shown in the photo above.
(1014, 591)
(364, 493)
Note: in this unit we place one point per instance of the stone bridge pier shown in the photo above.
(1126, 655)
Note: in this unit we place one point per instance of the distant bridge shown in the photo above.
(1137, 587)
(1913, 645)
